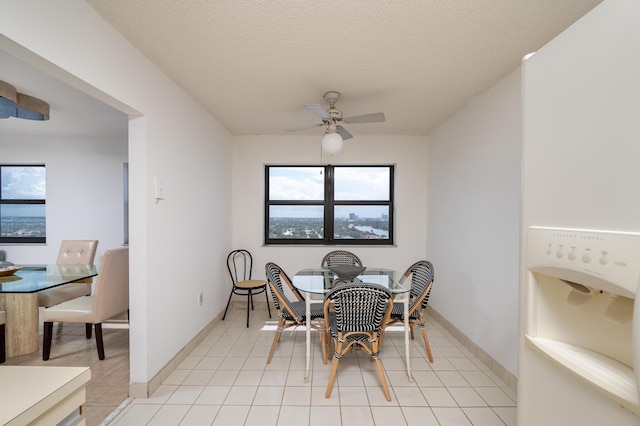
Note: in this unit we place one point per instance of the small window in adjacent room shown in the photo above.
(22, 204)
(125, 190)
(329, 205)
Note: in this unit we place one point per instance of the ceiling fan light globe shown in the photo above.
(332, 143)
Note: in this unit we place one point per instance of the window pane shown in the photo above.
(23, 183)
(296, 222)
(22, 220)
(361, 222)
(296, 183)
(362, 183)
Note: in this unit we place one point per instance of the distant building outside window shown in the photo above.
(22, 204)
(332, 205)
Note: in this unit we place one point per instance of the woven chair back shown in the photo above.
(359, 307)
(274, 277)
(340, 257)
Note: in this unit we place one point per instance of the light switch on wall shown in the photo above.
(158, 191)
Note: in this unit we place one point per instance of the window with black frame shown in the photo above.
(22, 204)
(351, 205)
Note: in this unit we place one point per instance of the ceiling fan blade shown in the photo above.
(343, 132)
(317, 109)
(299, 129)
(375, 117)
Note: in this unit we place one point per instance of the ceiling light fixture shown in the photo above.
(8, 99)
(332, 141)
(19, 105)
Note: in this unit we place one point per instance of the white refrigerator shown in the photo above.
(577, 356)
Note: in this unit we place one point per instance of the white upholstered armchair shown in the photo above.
(110, 297)
(71, 252)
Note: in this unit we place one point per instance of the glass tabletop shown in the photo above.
(321, 280)
(34, 278)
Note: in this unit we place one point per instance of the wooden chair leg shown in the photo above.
(46, 340)
(268, 306)
(99, 341)
(334, 368)
(87, 330)
(375, 348)
(276, 338)
(323, 342)
(385, 389)
(426, 342)
(3, 350)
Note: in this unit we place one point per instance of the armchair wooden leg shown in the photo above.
(426, 342)
(334, 368)
(325, 340)
(385, 388)
(3, 350)
(87, 330)
(46, 340)
(99, 342)
(276, 338)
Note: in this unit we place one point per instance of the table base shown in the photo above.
(22, 322)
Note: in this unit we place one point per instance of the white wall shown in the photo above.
(408, 153)
(84, 191)
(581, 124)
(473, 217)
(178, 246)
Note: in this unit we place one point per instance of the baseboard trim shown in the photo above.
(494, 366)
(144, 390)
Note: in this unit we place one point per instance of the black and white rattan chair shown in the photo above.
(292, 314)
(359, 311)
(340, 257)
(422, 275)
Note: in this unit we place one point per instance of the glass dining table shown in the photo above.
(19, 299)
(314, 283)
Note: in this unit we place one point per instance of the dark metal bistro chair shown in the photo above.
(240, 264)
(360, 312)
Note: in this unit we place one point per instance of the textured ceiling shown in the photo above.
(253, 64)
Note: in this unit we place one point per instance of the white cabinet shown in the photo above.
(42, 395)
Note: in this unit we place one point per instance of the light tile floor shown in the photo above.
(226, 381)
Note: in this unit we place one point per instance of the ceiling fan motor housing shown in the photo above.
(332, 118)
(332, 97)
(335, 114)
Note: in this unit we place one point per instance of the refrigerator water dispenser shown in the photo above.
(579, 306)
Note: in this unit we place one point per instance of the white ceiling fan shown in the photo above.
(332, 118)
